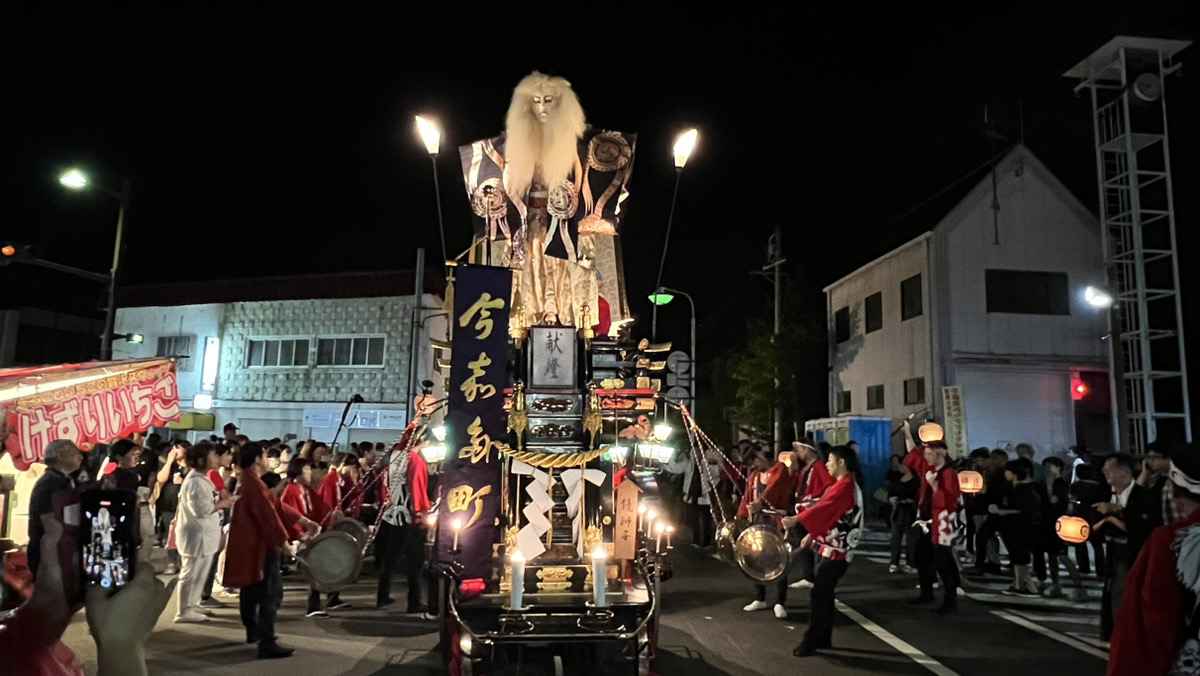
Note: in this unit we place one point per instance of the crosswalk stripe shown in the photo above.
(1051, 634)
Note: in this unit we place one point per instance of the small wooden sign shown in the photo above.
(625, 529)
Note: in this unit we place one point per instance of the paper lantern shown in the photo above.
(970, 482)
(1072, 529)
(930, 431)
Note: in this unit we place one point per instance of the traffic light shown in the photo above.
(1079, 389)
(10, 252)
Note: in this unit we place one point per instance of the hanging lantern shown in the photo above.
(1072, 529)
(970, 482)
(930, 431)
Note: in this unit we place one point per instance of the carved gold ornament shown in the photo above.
(609, 151)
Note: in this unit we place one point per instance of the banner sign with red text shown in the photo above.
(476, 425)
(85, 403)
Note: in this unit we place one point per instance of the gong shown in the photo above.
(762, 552)
(727, 535)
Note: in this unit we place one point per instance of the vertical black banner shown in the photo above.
(475, 418)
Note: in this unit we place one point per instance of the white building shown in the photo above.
(993, 307)
(284, 355)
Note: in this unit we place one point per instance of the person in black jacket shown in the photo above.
(63, 458)
(902, 487)
(1127, 521)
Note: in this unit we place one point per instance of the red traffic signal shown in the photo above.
(1079, 389)
(10, 252)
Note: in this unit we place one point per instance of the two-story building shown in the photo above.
(990, 301)
(285, 354)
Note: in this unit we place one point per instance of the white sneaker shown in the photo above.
(893, 569)
(755, 605)
(190, 618)
(801, 584)
(780, 611)
(204, 611)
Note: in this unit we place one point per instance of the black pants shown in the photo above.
(314, 599)
(935, 561)
(987, 531)
(410, 541)
(903, 531)
(820, 623)
(1115, 575)
(163, 525)
(258, 602)
(702, 525)
(781, 589)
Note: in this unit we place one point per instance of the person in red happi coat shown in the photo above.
(258, 531)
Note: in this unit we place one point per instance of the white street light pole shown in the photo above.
(659, 300)
(77, 180)
(432, 138)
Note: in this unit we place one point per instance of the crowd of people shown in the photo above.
(233, 515)
(940, 532)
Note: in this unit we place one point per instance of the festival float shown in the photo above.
(548, 555)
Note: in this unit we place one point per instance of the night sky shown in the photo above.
(270, 148)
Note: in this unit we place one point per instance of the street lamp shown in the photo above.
(432, 138)
(1098, 298)
(1101, 298)
(662, 296)
(685, 143)
(77, 180)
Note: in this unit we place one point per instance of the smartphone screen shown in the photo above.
(106, 537)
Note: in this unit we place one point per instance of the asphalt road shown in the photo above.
(704, 632)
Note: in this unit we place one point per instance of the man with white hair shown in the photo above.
(63, 459)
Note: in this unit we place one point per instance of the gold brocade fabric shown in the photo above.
(553, 290)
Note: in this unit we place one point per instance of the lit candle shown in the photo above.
(599, 577)
(660, 529)
(651, 515)
(457, 526)
(431, 520)
(518, 580)
(641, 516)
(670, 529)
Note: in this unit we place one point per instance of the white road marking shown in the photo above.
(902, 646)
(1051, 634)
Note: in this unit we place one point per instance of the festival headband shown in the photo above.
(1188, 483)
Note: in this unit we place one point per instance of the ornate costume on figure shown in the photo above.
(547, 195)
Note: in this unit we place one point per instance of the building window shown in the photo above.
(843, 402)
(350, 351)
(914, 391)
(182, 347)
(276, 352)
(841, 325)
(1028, 293)
(911, 304)
(874, 397)
(874, 312)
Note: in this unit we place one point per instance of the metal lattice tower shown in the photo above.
(1127, 80)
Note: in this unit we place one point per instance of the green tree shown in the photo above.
(799, 357)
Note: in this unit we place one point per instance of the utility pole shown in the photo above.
(110, 312)
(775, 261)
(414, 342)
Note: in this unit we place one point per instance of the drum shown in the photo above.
(762, 552)
(354, 529)
(331, 561)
